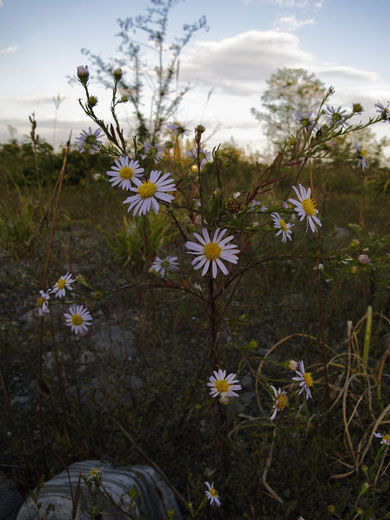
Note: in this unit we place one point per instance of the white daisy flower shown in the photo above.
(306, 380)
(63, 282)
(164, 265)
(124, 172)
(212, 494)
(212, 251)
(284, 229)
(79, 319)
(148, 191)
(281, 401)
(43, 303)
(223, 385)
(385, 438)
(305, 207)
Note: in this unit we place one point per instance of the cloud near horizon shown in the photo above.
(300, 4)
(11, 48)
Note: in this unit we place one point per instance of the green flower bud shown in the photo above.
(357, 107)
(118, 74)
(92, 101)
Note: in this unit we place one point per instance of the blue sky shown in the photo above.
(344, 42)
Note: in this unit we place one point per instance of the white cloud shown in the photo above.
(240, 64)
(9, 49)
(346, 72)
(302, 4)
(1, 3)
(290, 23)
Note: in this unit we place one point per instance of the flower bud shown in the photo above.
(92, 101)
(357, 107)
(118, 74)
(354, 269)
(83, 74)
(293, 365)
(124, 99)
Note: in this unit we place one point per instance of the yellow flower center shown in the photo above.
(309, 207)
(41, 301)
(386, 438)
(222, 386)
(213, 492)
(126, 172)
(308, 379)
(147, 189)
(281, 402)
(212, 251)
(283, 226)
(77, 319)
(93, 472)
(363, 152)
(61, 284)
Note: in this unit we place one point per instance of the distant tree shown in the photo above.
(157, 80)
(289, 91)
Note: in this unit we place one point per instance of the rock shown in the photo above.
(154, 498)
(10, 500)
(115, 341)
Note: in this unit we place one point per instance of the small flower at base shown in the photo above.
(364, 259)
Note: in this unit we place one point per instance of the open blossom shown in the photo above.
(124, 171)
(336, 116)
(78, 319)
(306, 380)
(63, 282)
(212, 494)
(305, 207)
(153, 151)
(212, 252)
(385, 438)
(43, 303)
(361, 155)
(223, 385)
(165, 265)
(177, 128)
(148, 191)
(304, 119)
(280, 224)
(88, 141)
(384, 111)
(280, 402)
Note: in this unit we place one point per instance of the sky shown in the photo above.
(345, 43)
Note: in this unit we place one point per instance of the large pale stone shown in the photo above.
(154, 500)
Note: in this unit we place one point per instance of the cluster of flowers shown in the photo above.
(338, 117)
(78, 317)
